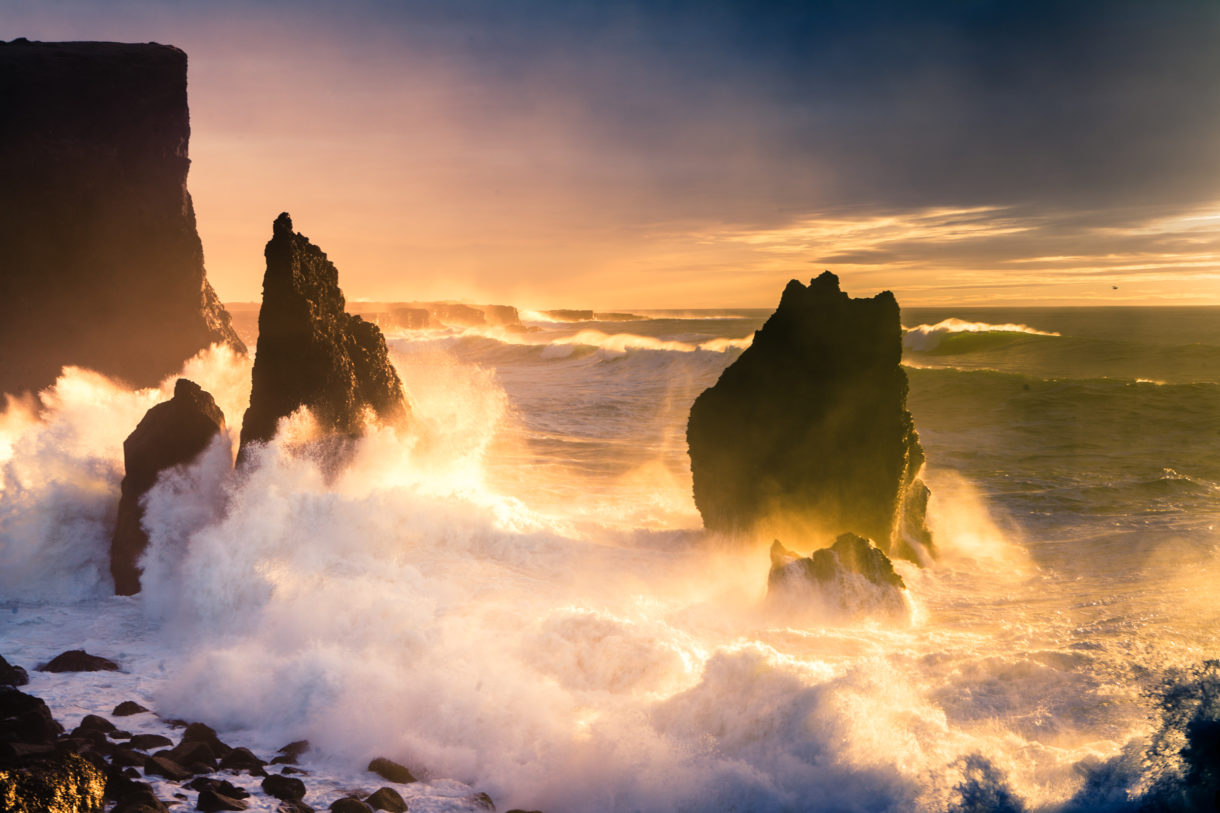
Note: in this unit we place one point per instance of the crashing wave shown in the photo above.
(923, 338)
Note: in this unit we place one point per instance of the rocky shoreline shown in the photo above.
(139, 762)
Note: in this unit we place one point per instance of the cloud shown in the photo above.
(665, 151)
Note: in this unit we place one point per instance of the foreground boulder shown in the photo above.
(851, 577)
(34, 776)
(170, 434)
(12, 675)
(103, 267)
(66, 784)
(807, 432)
(311, 352)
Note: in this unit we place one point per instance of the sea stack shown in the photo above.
(102, 265)
(807, 435)
(311, 352)
(170, 434)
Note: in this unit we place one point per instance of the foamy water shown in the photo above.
(513, 595)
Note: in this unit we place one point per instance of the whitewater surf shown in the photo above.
(514, 595)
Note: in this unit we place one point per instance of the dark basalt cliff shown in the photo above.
(311, 352)
(172, 433)
(808, 430)
(100, 262)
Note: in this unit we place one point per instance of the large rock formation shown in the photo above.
(808, 431)
(172, 433)
(311, 352)
(100, 263)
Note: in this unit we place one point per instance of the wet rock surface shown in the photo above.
(388, 769)
(12, 675)
(851, 577)
(170, 434)
(311, 352)
(78, 660)
(807, 432)
(127, 708)
(387, 799)
(42, 768)
(104, 265)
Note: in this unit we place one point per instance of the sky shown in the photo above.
(698, 153)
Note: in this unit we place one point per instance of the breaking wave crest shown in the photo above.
(924, 338)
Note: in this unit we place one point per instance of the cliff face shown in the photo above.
(808, 431)
(100, 262)
(311, 352)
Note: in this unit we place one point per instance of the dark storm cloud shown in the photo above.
(790, 107)
(701, 146)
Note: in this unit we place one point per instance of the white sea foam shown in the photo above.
(559, 660)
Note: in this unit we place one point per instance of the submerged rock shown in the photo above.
(78, 660)
(311, 352)
(851, 577)
(103, 263)
(808, 430)
(170, 434)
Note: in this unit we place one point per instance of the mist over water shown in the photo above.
(514, 590)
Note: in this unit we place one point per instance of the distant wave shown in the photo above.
(923, 338)
(563, 346)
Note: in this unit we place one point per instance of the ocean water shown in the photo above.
(513, 595)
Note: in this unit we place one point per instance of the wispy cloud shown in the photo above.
(1003, 255)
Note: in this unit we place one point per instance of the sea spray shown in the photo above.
(430, 605)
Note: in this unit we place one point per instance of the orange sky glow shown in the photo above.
(612, 175)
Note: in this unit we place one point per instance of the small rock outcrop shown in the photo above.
(11, 675)
(387, 799)
(128, 708)
(391, 770)
(170, 434)
(78, 660)
(852, 577)
(284, 787)
(311, 352)
(103, 267)
(808, 431)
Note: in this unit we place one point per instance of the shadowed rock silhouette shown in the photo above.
(170, 434)
(103, 267)
(311, 352)
(809, 428)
